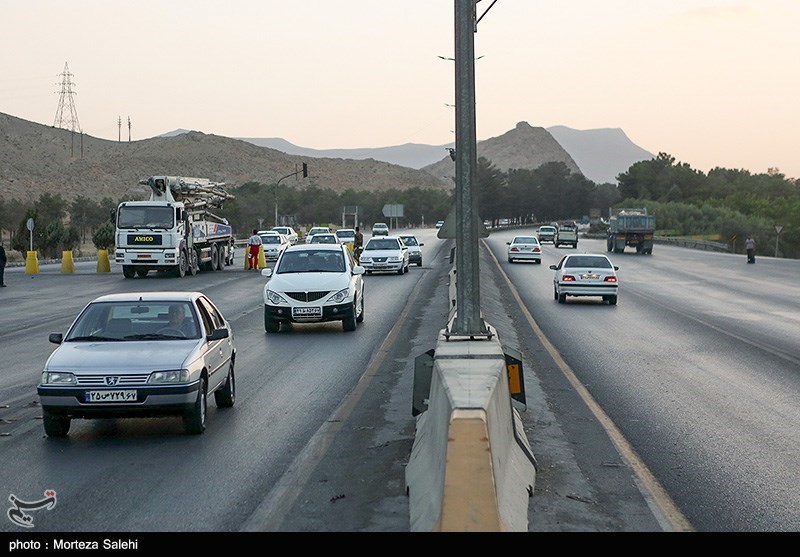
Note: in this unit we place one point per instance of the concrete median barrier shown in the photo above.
(103, 264)
(471, 467)
(67, 262)
(32, 263)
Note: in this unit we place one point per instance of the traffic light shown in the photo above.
(305, 170)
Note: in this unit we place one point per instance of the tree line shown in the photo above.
(724, 202)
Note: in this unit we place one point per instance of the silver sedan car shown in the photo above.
(141, 354)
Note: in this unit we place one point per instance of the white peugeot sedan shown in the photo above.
(287, 231)
(524, 248)
(585, 275)
(273, 243)
(314, 283)
(385, 253)
(140, 354)
(414, 249)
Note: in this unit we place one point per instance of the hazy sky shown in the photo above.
(711, 82)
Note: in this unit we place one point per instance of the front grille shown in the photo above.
(380, 259)
(307, 296)
(100, 380)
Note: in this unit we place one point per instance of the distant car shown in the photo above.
(317, 230)
(414, 249)
(314, 283)
(287, 231)
(380, 229)
(439, 223)
(585, 275)
(524, 248)
(546, 234)
(385, 253)
(566, 233)
(324, 238)
(346, 235)
(274, 243)
(139, 355)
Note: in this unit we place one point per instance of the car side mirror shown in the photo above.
(56, 338)
(421, 245)
(554, 267)
(217, 334)
(358, 270)
(616, 268)
(266, 272)
(508, 243)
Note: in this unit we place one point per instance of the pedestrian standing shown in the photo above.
(254, 246)
(750, 246)
(3, 260)
(358, 244)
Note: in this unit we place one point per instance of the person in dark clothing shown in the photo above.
(3, 260)
(358, 244)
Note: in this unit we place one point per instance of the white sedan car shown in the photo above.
(316, 230)
(140, 354)
(314, 283)
(585, 275)
(385, 253)
(524, 248)
(287, 231)
(414, 249)
(273, 243)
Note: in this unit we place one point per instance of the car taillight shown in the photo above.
(537, 250)
(514, 249)
(568, 278)
(610, 279)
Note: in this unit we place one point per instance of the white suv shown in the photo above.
(314, 283)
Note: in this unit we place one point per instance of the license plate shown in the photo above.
(144, 256)
(587, 276)
(307, 312)
(111, 396)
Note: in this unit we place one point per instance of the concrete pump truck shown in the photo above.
(175, 230)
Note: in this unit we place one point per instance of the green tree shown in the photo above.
(103, 237)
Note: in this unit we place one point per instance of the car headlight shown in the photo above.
(340, 296)
(58, 378)
(395, 259)
(365, 258)
(275, 298)
(170, 376)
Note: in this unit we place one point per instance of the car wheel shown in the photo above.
(225, 396)
(562, 298)
(612, 300)
(270, 325)
(141, 273)
(194, 421)
(510, 260)
(349, 323)
(55, 425)
(128, 271)
(400, 271)
(214, 257)
(193, 267)
(369, 272)
(419, 263)
(183, 263)
(555, 293)
(360, 316)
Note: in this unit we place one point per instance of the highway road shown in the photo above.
(674, 410)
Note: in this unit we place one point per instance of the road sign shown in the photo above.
(778, 228)
(393, 211)
(448, 229)
(29, 224)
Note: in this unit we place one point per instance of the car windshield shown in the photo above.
(137, 216)
(587, 261)
(282, 230)
(409, 240)
(525, 240)
(271, 239)
(547, 229)
(324, 239)
(311, 261)
(346, 233)
(135, 321)
(390, 244)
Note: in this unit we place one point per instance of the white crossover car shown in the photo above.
(314, 283)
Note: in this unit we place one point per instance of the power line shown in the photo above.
(66, 104)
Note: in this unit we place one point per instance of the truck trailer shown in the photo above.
(630, 227)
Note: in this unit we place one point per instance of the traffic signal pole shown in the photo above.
(468, 321)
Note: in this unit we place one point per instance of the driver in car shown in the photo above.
(178, 321)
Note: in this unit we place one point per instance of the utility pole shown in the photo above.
(129, 129)
(119, 129)
(468, 321)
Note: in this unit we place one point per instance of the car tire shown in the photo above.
(400, 271)
(141, 273)
(419, 263)
(270, 325)
(360, 317)
(349, 323)
(194, 421)
(612, 300)
(128, 271)
(225, 396)
(510, 260)
(183, 264)
(54, 424)
(555, 293)
(562, 298)
(193, 267)
(369, 272)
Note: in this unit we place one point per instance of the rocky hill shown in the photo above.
(35, 158)
(523, 147)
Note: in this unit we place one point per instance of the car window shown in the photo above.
(128, 321)
(587, 261)
(208, 321)
(311, 261)
(382, 244)
(271, 239)
(409, 240)
(525, 240)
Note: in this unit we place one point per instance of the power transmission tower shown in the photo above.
(66, 104)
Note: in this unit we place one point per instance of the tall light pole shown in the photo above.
(468, 320)
(304, 171)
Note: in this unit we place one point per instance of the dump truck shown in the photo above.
(175, 230)
(630, 227)
(566, 234)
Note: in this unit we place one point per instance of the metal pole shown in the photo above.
(468, 318)
(776, 244)
(276, 204)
